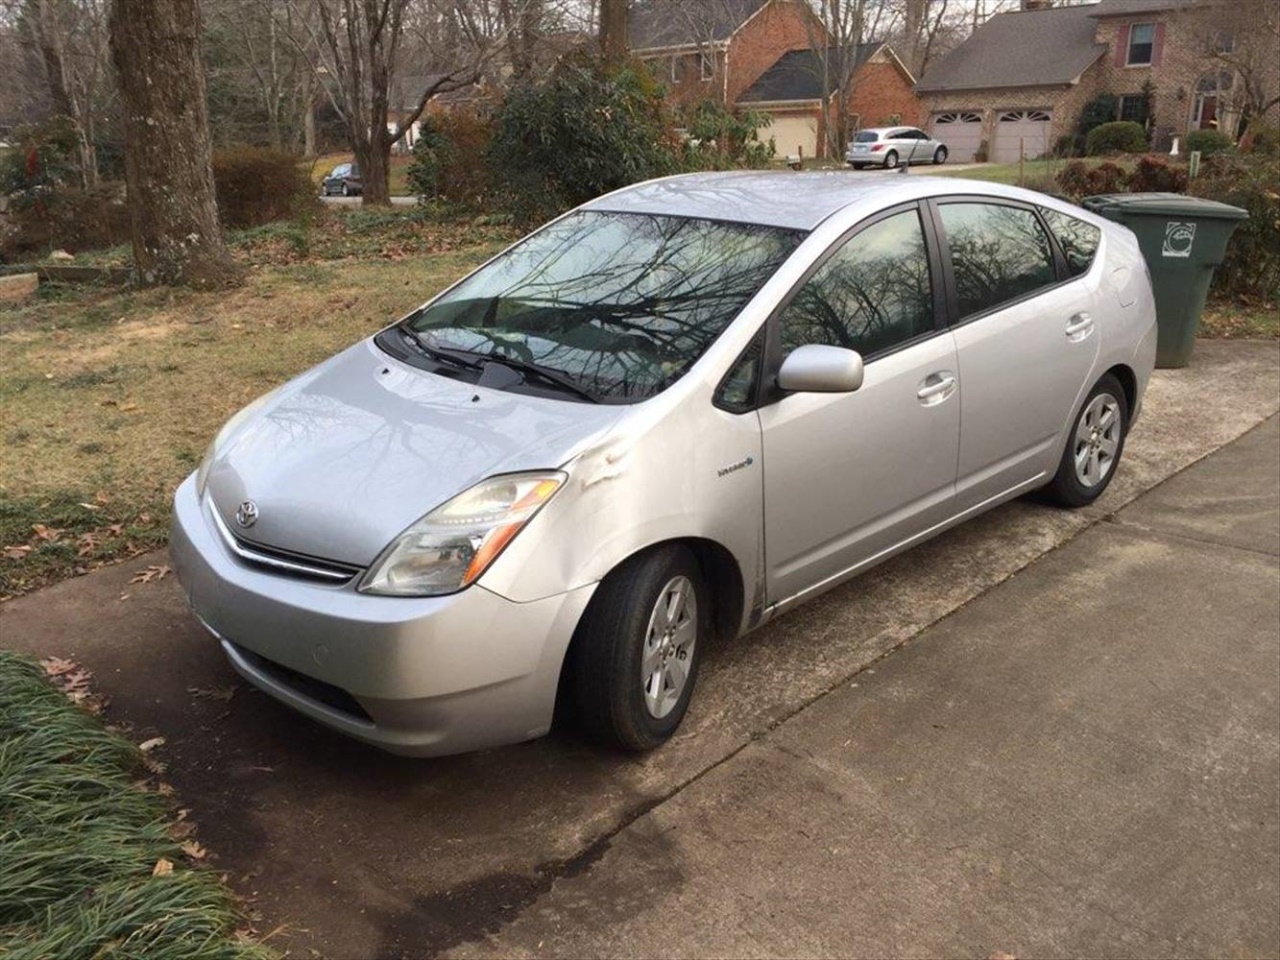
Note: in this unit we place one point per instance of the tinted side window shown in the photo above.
(737, 392)
(998, 254)
(1079, 240)
(872, 294)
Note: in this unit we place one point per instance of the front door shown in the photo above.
(849, 476)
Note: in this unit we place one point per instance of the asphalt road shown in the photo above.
(359, 854)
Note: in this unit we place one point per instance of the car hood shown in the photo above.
(346, 457)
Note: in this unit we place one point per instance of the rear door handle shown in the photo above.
(1079, 327)
(936, 387)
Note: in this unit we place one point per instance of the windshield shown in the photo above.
(865, 136)
(620, 303)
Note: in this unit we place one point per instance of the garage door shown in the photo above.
(1018, 130)
(790, 134)
(961, 132)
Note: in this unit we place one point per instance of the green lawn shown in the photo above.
(92, 861)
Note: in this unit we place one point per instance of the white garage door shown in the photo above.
(1021, 130)
(961, 132)
(790, 134)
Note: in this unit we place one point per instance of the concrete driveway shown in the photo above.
(558, 844)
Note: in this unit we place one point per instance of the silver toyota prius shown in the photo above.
(667, 416)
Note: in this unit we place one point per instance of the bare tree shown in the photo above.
(70, 37)
(1244, 38)
(355, 50)
(155, 45)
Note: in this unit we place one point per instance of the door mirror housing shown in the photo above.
(819, 368)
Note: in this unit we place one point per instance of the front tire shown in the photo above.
(891, 160)
(940, 156)
(346, 190)
(858, 166)
(1094, 446)
(637, 649)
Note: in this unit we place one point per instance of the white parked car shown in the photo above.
(890, 146)
(675, 412)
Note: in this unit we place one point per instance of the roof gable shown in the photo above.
(797, 75)
(1025, 48)
(655, 24)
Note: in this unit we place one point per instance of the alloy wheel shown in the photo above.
(669, 643)
(1097, 440)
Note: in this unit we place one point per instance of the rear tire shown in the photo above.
(1094, 446)
(940, 156)
(891, 160)
(637, 649)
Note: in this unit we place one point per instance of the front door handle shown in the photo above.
(936, 387)
(1079, 327)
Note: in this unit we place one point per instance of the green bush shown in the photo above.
(1120, 136)
(723, 139)
(256, 185)
(582, 132)
(1262, 139)
(1252, 265)
(1208, 142)
(449, 160)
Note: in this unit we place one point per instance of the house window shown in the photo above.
(1133, 106)
(1142, 42)
(675, 70)
(708, 67)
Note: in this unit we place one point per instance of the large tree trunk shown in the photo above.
(155, 45)
(613, 30)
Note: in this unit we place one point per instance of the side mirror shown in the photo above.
(818, 368)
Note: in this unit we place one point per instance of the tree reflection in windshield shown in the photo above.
(623, 303)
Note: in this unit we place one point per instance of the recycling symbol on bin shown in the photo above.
(1178, 239)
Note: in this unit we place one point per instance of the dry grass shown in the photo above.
(1235, 321)
(109, 398)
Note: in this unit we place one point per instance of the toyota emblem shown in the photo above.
(247, 514)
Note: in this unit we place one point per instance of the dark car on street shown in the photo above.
(343, 180)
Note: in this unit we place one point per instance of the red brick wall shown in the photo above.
(881, 90)
(780, 26)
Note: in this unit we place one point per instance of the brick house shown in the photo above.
(1019, 83)
(725, 48)
(790, 91)
(718, 48)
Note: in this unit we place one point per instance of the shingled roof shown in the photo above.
(1124, 8)
(798, 76)
(1026, 48)
(684, 23)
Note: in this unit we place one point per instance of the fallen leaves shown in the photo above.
(146, 746)
(163, 867)
(74, 682)
(152, 574)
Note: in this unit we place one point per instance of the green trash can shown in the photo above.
(1182, 239)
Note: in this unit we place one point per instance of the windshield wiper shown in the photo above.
(455, 358)
(546, 374)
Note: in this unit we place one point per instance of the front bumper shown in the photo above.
(419, 676)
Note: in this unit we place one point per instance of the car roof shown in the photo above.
(799, 201)
(905, 126)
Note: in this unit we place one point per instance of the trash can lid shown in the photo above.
(1164, 205)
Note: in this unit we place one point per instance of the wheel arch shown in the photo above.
(1128, 381)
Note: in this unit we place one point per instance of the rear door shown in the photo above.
(849, 476)
(1026, 342)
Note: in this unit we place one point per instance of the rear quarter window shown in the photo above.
(1079, 240)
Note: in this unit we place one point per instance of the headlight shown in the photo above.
(455, 543)
(228, 428)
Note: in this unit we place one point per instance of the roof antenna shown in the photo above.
(911, 156)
